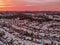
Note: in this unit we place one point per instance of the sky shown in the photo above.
(29, 5)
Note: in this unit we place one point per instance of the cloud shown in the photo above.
(33, 2)
(41, 1)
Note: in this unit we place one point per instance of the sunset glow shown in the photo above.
(29, 5)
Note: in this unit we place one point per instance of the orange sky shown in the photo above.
(29, 5)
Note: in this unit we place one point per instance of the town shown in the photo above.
(30, 28)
